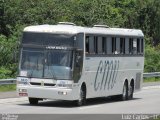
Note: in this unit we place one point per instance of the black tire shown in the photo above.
(124, 95)
(131, 90)
(82, 97)
(33, 101)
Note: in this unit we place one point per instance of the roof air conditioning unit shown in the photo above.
(101, 26)
(66, 23)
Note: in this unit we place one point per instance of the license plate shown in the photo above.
(23, 94)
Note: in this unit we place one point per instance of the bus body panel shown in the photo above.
(54, 93)
(105, 81)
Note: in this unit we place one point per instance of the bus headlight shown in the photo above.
(22, 90)
(62, 93)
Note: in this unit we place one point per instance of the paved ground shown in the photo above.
(145, 102)
(11, 94)
(151, 84)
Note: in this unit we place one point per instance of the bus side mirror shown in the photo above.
(77, 60)
(78, 57)
(16, 52)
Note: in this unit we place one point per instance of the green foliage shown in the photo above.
(152, 79)
(8, 56)
(16, 14)
(152, 59)
(5, 88)
(4, 72)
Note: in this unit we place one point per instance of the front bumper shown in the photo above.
(57, 93)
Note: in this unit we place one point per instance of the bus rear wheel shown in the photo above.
(124, 95)
(82, 97)
(33, 101)
(131, 90)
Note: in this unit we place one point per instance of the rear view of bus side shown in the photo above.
(69, 62)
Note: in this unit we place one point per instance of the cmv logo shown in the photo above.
(106, 74)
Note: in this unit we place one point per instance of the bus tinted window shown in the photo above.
(142, 46)
(87, 44)
(134, 46)
(42, 39)
(122, 45)
(138, 46)
(109, 45)
(104, 45)
(95, 44)
(91, 45)
(131, 45)
(113, 45)
(99, 45)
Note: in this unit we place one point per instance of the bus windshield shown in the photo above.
(46, 55)
(42, 63)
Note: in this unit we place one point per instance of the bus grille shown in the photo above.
(39, 84)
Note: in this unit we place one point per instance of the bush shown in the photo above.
(152, 60)
(4, 73)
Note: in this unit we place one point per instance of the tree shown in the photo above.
(139, 14)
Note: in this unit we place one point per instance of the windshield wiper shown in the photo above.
(52, 73)
(49, 70)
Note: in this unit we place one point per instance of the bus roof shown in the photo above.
(73, 29)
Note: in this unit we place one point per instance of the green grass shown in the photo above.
(5, 88)
(153, 79)
(157, 118)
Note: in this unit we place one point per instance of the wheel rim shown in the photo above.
(131, 91)
(124, 92)
(80, 97)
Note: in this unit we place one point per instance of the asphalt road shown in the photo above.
(147, 101)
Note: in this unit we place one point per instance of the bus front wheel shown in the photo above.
(33, 101)
(82, 97)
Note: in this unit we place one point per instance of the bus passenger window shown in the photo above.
(134, 46)
(138, 46)
(131, 45)
(122, 45)
(126, 45)
(87, 44)
(113, 45)
(109, 45)
(91, 45)
(117, 50)
(96, 45)
(99, 45)
(104, 45)
(142, 46)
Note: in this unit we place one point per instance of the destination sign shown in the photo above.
(57, 47)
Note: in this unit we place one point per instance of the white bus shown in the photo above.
(69, 62)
